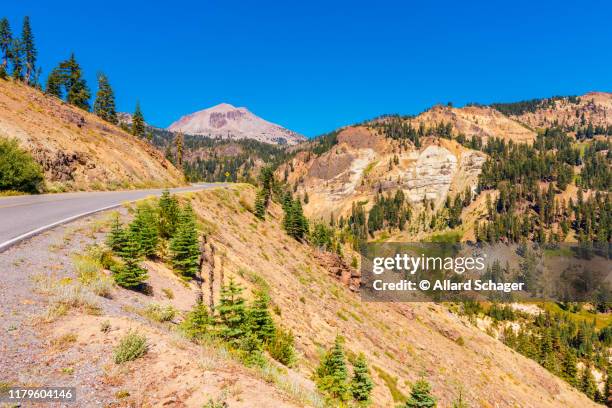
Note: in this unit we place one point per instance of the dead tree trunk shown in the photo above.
(211, 278)
(222, 271)
(199, 279)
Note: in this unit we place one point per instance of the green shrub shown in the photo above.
(160, 314)
(105, 326)
(102, 286)
(361, 383)
(87, 268)
(215, 404)
(420, 395)
(130, 275)
(131, 347)
(331, 376)
(197, 322)
(108, 261)
(281, 347)
(168, 293)
(18, 170)
(121, 394)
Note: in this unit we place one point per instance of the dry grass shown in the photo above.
(63, 342)
(65, 295)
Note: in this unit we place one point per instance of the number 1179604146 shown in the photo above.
(38, 394)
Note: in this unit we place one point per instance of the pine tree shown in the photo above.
(144, 228)
(197, 322)
(267, 181)
(77, 92)
(138, 122)
(298, 226)
(332, 374)
(420, 396)
(179, 142)
(260, 205)
(16, 57)
(587, 382)
(169, 210)
(294, 221)
(6, 41)
(288, 211)
(232, 312)
(321, 237)
(29, 49)
(260, 320)
(54, 83)
(117, 237)
(184, 245)
(130, 275)
(104, 105)
(361, 383)
(570, 372)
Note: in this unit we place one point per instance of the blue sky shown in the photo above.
(316, 65)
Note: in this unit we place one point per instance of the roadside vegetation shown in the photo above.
(166, 230)
(131, 347)
(19, 172)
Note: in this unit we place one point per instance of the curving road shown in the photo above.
(22, 217)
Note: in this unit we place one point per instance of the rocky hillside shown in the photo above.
(402, 342)
(364, 163)
(229, 122)
(435, 158)
(371, 158)
(77, 150)
(483, 122)
(593, 108)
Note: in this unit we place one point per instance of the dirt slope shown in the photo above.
(401, 341)
(79, 151)
(38, 348)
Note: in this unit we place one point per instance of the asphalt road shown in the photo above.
(22, 217)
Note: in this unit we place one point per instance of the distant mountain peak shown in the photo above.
(229, 122)
(224, 105)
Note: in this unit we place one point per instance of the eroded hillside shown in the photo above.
(78, 150)
(364, 163)
(401, 341)
(593, 108)
(483, 122)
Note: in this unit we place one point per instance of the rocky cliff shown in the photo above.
(364, 163)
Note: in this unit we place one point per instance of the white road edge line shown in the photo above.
(5, 245)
